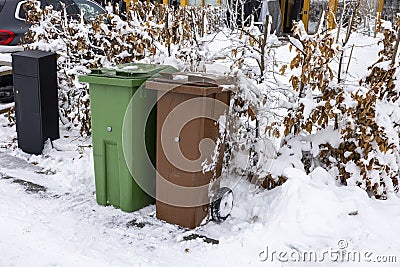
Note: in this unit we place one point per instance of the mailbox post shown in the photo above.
(36, 99)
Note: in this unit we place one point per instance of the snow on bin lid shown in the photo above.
(198, 78)
(191, 83)
(125, 75)
(128, 70)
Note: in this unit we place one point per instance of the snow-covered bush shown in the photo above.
(253, 129)
(253, 103)
(352, 131)
(149, 32)
(52, 31)
(251, 49)
(257, 104)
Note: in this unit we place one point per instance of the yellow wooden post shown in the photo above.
(128, 4)
(219, 2)
(283, 6)
(380, 7)
(184, 2)
(332, 8)
(379, 16)
(165, 2)
(306, 13)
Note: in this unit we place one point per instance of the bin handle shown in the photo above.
(96, 71)
(198, 78)
(128, 73)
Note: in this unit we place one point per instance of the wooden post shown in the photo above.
(283, 6)
(306, 13)
(165, 2)
(184, 2)
(128, 4)
(380, 7)
(332, 9)
(379, 16)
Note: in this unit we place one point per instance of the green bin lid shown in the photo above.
(126, 75)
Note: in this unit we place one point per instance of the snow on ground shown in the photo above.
(10, 49)
(5, 68)
(5, 52)
(5, 58)
(49, 216)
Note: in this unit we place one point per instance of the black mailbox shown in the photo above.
(36, 99)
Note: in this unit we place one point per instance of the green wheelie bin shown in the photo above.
(111, 93)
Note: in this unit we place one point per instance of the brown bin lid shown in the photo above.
(191, 83)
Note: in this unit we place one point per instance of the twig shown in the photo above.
(262, 47)
(304, 53)
(6, 110)
(396, 47)
(348, 63)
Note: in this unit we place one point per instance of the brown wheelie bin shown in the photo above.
(188, 110)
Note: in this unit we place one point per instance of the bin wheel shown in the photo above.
(221, 204)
